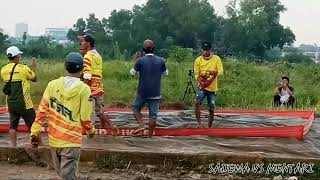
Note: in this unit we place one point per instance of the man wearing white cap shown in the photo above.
(17, 79)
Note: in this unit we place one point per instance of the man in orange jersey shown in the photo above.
(66, 104)
(92, 75)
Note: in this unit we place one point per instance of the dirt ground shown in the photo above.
(31, 171)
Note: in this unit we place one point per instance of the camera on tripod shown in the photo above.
(190, 73)
(190, 88)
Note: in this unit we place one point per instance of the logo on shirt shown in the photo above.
(56, 105)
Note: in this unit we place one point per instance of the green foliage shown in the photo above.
(179, 54)
(182, 23)
(77, 30)
(290, 49)
(309, 48)
(253, 27)
(120, 28)
(44, 47)
(244, 85)
(273, 54)
(298, 58)
(3, 42)
(24, 38)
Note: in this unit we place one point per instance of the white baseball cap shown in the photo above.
(13, 50)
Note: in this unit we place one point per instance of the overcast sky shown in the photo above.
(301, 16)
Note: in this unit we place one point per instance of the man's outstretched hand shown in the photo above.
(137, 55)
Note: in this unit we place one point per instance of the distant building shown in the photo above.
(21, 28)
(32, 38)
(315, 56)
(57, 34)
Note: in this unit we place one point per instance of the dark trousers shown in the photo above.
(277, 102)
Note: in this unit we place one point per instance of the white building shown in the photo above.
(57, 34)
(21, 28)
(315, 56)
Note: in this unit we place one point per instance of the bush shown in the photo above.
(298, 58)
(179, 54)
(244, 85)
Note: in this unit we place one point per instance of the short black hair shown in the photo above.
(91, 39)
(148, 50)
(10, 57)
(285, 77)
(72, 67)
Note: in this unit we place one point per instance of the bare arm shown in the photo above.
(276, 91)
(289, 91)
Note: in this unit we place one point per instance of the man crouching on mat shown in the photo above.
(150, 68)
(207, 68)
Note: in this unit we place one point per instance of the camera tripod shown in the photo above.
(190, 88)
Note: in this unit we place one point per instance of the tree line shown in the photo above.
(250, 29)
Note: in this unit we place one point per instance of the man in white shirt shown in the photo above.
(284, 94)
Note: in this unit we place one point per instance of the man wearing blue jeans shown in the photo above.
(150, 68)
(207, 68)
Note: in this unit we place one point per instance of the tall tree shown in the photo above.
(120, 29)
(24, 38)
(183, 22)
(3, 41)
(78, 29)
(254, 26)
(97, 29)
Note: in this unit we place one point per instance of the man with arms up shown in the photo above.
(18, 77)
(92, 75)
(207, 68)
(284, 94)
(150, 68)
(66, 104)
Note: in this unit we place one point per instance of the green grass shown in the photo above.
(243, 86)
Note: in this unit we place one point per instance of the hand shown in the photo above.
(91, 135)
(279, 85)
(34, 64)
(137, 55)
(214, 73)
(35, 141)
(204, 82)
(202, 78)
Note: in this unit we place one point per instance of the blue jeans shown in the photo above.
(211, 98)
(153, 105)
